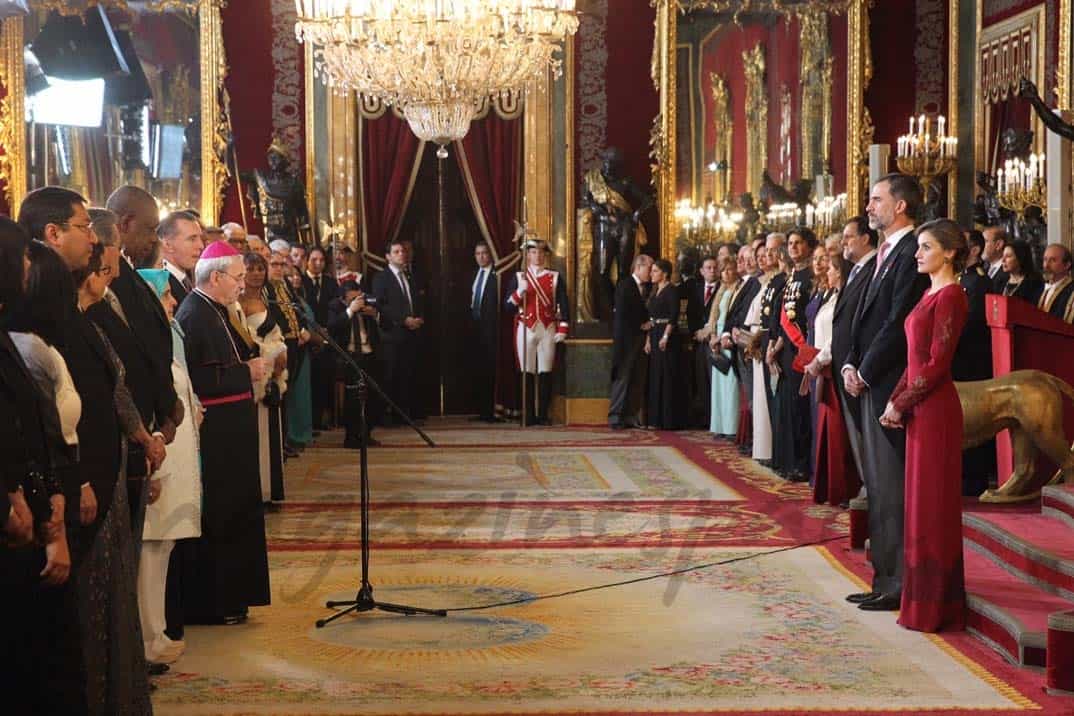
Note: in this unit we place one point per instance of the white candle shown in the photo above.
(911, 125)
(999, 181)
(943, 126)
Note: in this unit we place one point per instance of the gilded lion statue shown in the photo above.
(1028, 403)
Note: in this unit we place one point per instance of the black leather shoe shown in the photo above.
(617, 426)
(884, 603)
(861, 597)
(157, 669)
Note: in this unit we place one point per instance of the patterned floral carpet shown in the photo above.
(490, 516)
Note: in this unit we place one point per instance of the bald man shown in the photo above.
(235, 235)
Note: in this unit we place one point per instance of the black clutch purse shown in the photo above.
(272, 398)
(720, 362)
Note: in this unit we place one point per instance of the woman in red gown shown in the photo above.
(925, 401)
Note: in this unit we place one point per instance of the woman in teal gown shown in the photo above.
(724, 421)
(299, 398)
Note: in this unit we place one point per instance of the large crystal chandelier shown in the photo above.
(438, 61)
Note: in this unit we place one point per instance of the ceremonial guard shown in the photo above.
(538, 298)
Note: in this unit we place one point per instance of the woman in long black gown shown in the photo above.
(665, 391)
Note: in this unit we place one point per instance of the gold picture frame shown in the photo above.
(214, 132)
(663, 140)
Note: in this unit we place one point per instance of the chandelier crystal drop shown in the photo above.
(438, 61)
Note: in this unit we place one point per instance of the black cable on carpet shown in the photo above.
(662, 575)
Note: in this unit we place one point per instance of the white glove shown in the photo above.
(559, 338)
(523, 286)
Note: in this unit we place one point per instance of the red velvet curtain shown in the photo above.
(390, 155)
(490, 157)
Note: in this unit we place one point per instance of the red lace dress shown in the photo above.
(933, 592)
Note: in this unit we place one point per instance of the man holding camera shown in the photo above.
(353, 326)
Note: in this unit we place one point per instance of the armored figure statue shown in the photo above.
(614, 205)
(279, 198)
(1028, 91)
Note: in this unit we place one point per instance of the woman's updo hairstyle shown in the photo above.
(949, 236)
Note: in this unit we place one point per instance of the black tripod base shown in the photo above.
(364, 602)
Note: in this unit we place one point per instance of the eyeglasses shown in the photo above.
(84, 228)
(240, 278)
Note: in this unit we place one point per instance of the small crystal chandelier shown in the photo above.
(438, 61)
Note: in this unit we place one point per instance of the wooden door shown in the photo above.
(445, 264)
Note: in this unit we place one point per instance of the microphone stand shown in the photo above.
(363, 601)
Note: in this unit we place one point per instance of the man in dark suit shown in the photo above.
(181, 243)
(859, 249)
(321, 291)
(630, 326)
(737, 310)
(699, 296)
(876, 361)
(996, 239)
(1056, 297)
(401, 310)
(137, 217)
(353, 327)
(485, 314)
(973, 360)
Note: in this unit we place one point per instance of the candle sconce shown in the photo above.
(925, 155)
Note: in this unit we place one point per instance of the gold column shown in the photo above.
(857, 79)
(664, 75)
(12, 111)
(537, 142)
(952, 99)
(310, 132)
(213, 69)
(343, 176)
(1064, 69)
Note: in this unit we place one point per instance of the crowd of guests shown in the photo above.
(156, 374)
(833, 362)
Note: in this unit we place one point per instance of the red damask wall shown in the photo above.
(265, 84)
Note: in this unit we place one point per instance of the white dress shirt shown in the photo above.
(482, 280)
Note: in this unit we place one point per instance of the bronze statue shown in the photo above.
(1028, 91)
(279, 198)
(614, 229)
(1029, 403)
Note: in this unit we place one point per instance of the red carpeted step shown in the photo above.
(1007, 613)
(1036, 548)
(1057, 501)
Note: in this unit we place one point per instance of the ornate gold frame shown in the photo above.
(213, 69)
(1034, 17)
(859, 126)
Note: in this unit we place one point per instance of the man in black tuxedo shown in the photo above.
(859, 249)
(876, 361)
(137, 217)
(181, 243)
(485, 314)
(321, 291)
(630, 326)
(401, 310)
(353, 326)
(973, 360)
(996, 239)
(736, 314)
(698, 305)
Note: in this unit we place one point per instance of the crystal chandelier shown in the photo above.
(438, 61)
